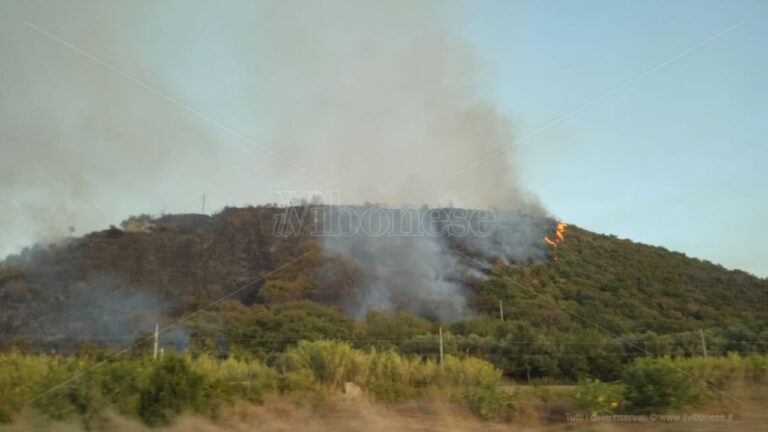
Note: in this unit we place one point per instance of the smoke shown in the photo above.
(101, 309)
(114, 109)
(104, 310)
(108, 110)
(424, 260)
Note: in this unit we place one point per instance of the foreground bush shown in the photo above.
(657, 384)
(173, 386)
(709, 373)
(332, 363)
(233, 379)
(674, 382)
(85, 388)
(390, 377)
(595, 397)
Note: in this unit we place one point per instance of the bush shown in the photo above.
(391, 377)
(279, 327)
(332, 363)
(725, 372)
(478, 385)
(235, 378)
(389, 330)
(757, 368)
(120, 383)
(173, 387)
(85, 388)
(595, 397)
(656, 384)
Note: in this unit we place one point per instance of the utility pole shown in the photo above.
(440, 329)
(157, 336)
(203, 203)
(501, 310)
(703, 342)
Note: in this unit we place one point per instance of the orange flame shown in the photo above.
(559, 235)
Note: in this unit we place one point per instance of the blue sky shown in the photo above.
(674, 159)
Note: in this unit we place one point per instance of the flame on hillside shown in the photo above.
(559, 236)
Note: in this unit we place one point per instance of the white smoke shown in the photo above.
(424, 260)
(111, 109)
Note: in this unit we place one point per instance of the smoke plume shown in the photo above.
(424, 260)
(124, 108)
(101, 309)
(121, 108)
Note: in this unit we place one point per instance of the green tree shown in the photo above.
(280, 326)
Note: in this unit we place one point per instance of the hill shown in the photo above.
(111, 285)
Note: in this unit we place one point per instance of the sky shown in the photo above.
(640, 119)
(676, 158)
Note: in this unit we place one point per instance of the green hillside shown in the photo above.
(624, 287)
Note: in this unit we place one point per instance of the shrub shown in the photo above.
(656, 384)
(477, 383)
(388, 330)
(757, 368)
(173, 386)
(85, 388)
(279, 327)
(393, 377)
(724, 372)
(332, 363)
(235, 378)
(595, 397)
(298, 380)
(390, 376)
(120, 383)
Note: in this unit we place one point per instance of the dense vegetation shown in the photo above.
(625, 287)
(521, 350)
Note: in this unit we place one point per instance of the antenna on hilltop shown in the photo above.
(203, 203)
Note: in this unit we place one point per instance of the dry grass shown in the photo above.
(281, 414)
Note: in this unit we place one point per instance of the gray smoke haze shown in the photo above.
(100, 309)
(381, 100)
(424, 260)
(120, 108)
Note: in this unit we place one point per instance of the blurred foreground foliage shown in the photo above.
(86, 388)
